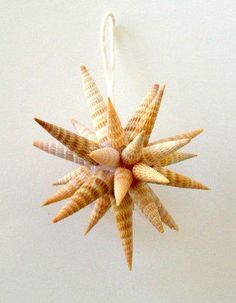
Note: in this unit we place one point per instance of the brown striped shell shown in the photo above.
(115, 132)
(133, 127)
(100, 208)
(115, 164)
(123, 216)
(82, 175)
(91, 190)
(77, 144)
(154, 153)
(178, 180)
(176, 157)
(59, 150)
(147, 205)
(97, 107)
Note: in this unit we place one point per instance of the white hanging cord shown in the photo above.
(108, 50)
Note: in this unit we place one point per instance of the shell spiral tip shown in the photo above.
(55, 220)
(161, 229)
(43, 204)
(83, 68)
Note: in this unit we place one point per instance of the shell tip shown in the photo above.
(83, 68)
(56, 219)
(130, 266)
(40, 122)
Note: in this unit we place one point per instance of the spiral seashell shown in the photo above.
(179, 180)
(83, 131)
(81, 146)
(145, 173)
(124, 222)
(91, 190)
(189, 135)
(166, 218)
(106, 156)
(152, 154)
(145, 201)
(69, 176)
(150, 115)
(59, 150)
(133, 126)
(71, 187)
(175, 157)
(133, 151)
(122, 180)
(115, 133)
(97, 107)
(100, 208)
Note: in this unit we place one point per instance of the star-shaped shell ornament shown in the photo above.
(115, 164)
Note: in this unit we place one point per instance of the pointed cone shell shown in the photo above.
(100, 208)
(176, 157)
(81, 146)
(83, 130)
(166, 218)
(123, 215)
(133, 151)
(189, 135)
(151, 114)
(59, 150)
(70, 175)
(106, 156)
(122, 180)
(145, 173)
(178, 180)
(153, 154)
(133, 127)
(115, 133)
(97, 107)
(91, 190)
(145, 201)
(68, 189)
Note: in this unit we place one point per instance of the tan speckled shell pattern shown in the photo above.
(151, 113)
(179, 180)
(97, 107)
(66, 191)
(123, 216)
(81, 146)
(100, 208)
(133, 126)
(115, 133)
(152, 154)
(91, 190)
(133, 151)
(145, 201)
(164, 214)
(176, 157)
(69, 176)
(59, 150)
(189, 135)
(145, 173)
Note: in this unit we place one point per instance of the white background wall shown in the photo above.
(190, 46)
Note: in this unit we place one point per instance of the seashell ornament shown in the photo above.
(113, 164)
